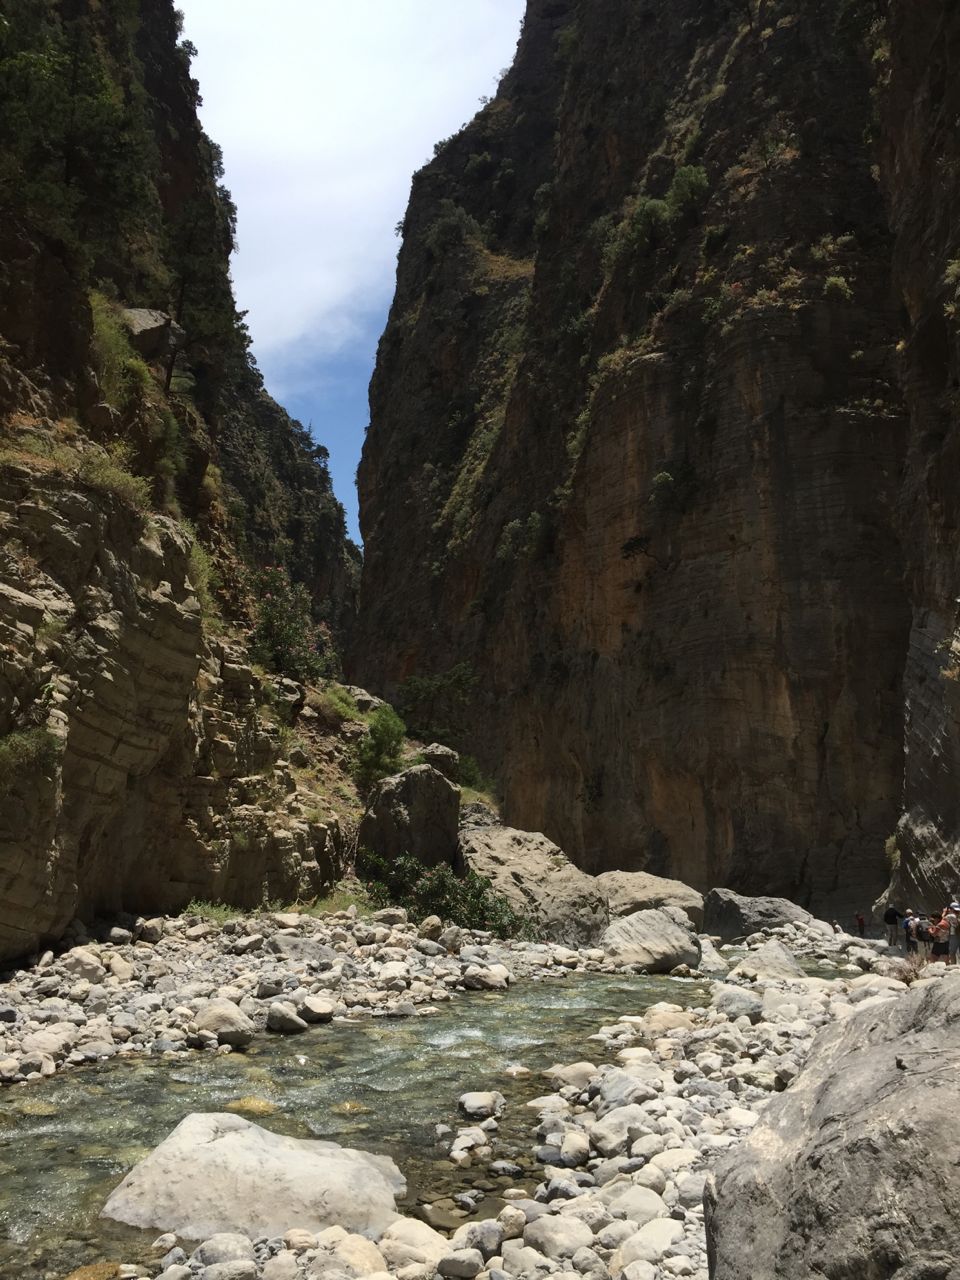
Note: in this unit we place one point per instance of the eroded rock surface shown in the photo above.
(537, 878)
(851, 1170)
(730, 915)
(417, 812)
(659, 940)
(629, 891)
(158, 782)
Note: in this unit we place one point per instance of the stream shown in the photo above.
(378, 1084)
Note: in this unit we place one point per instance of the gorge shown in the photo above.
(528, 849)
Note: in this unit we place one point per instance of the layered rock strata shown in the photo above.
(142, 771)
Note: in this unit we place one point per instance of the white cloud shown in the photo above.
(324, 110)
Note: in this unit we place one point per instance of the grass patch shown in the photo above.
(106, 469)
(122, 375)
(213, 912)
(339, 899)
(333, 704)
(203, 575)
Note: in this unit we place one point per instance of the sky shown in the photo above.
(324, 110)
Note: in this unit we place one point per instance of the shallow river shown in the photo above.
(378, 1084)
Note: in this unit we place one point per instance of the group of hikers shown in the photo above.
(929, 937)
(932, 937)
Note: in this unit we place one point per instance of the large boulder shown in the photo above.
(730, 915)
(152, 333)
(218, 1172)
(771, 961)
(417, 812)
(658, 940)
(853, 1170)
(537, 878)
(630, 891)
(227, 1021)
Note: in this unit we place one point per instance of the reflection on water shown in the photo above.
(379, 1084)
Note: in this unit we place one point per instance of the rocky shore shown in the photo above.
(169, 986)
(626, 1140)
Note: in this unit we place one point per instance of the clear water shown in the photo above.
(378, 1084)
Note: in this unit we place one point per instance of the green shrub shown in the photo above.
(26, 751)
(568, 39)
(109, 471)
(203, 578)
(714, 237)
(285, 638)
(837, 287)
(476, 786)
(379, 751)
(452, 228)
(687, 191)
(891, 853)
(468, 900)
(673, 490)
(121, 373)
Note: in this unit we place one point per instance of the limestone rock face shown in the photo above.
(729, 915)
(849, 1172)
(920, 171)
(629, 891)
(637, 407)
(217, 1172)
(147, 791)
(659, 940)
(537, 878)
(134, 770)
(415, 812)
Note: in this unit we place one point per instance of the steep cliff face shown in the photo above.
(920, 156)
(637, 414)
(145, 475)
(142, 773)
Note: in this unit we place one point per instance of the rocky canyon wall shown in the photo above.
(145, 476)
(658, 455)
(920, 165)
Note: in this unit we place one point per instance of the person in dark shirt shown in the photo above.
(892, 918)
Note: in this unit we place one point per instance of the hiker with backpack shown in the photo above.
(953, 931)
(910, 925)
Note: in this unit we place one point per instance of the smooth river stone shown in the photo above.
(218, 1173)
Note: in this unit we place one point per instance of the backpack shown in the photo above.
(923, 931)
(890, 915)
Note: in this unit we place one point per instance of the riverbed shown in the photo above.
(380, 1084)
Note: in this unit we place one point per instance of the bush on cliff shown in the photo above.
(286, 639)
(379, 751)
(468, 901)
(26, 751)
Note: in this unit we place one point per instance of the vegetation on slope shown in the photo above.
(112, 197)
